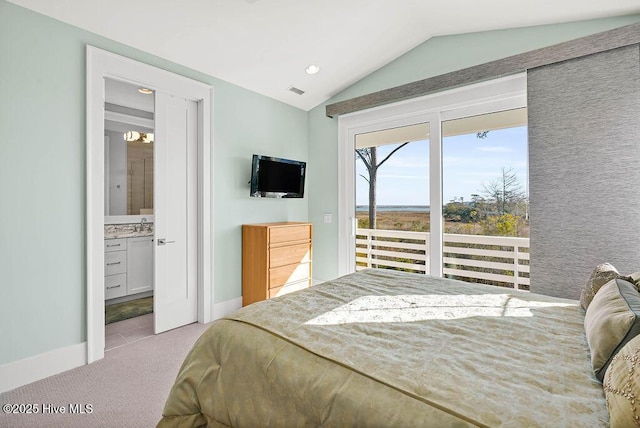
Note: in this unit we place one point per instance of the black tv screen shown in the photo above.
(276, 177)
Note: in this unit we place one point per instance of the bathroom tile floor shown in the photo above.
(127, 331)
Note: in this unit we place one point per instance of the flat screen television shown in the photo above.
(277, 178)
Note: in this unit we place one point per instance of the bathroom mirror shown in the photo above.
(128, 150)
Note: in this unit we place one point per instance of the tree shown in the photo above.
(503, 225)
(506, 192)
(369, 157)
(457, 211)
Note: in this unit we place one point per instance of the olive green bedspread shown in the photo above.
(389, 349)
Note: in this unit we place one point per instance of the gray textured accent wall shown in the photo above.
(584, 168)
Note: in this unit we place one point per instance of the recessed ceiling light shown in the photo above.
(312, 69)
(145, 91)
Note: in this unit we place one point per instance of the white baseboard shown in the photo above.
(316, 281)
(227, 307)
(31, 369)
(22, 372)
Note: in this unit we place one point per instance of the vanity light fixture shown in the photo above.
(133, 136)
(312, 69)
(145, 91)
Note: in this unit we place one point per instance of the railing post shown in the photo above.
(369, 248)
(427, 252)
(516, 262)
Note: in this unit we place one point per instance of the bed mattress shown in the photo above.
(388, 348)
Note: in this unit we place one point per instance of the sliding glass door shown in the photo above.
(486, 200)
(434, 197)
(392, 199)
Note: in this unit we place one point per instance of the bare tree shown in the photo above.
(505, 192)
(369, 157)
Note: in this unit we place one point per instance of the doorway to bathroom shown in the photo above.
(178, 222)
(129, 217)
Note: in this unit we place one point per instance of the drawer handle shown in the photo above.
(115, 286)
(113, 245)
(111, 264)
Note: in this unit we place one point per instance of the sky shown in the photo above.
(468, 163)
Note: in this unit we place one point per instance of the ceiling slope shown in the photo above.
(265, 45)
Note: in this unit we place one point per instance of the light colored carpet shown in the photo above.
(127, 388)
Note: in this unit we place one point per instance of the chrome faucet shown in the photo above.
(140, 227)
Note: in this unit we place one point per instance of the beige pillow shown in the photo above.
(633, 278)
(622, 386)
(600, 276)
(612, 320)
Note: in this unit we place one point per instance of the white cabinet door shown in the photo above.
(139, 264)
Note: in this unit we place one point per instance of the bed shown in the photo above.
(388, 348)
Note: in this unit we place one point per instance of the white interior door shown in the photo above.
(176, 249)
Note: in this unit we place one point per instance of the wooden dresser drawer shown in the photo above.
(291, 287)
(290, 273)
(115, 262)
(290, 233)
(115, 286)
(276, 259)
(280, 256)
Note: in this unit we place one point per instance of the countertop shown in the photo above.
(128, 230)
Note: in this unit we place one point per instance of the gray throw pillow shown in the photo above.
(611, 321)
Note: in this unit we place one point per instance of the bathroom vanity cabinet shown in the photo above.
(128, 266)
(115, 268)
(139, 264)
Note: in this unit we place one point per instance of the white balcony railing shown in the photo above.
(498, 260)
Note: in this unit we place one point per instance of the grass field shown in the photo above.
(398, 220)
(417, 222)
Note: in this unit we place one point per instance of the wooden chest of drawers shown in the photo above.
(276, 259)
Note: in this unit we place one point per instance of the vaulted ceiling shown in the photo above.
(266, 45)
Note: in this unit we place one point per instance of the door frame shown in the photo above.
(101, 64)
(495, 95)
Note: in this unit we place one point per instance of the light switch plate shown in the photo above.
(328, 217)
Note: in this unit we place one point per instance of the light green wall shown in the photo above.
(434, 57)
(42, 177)
(42, 162)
